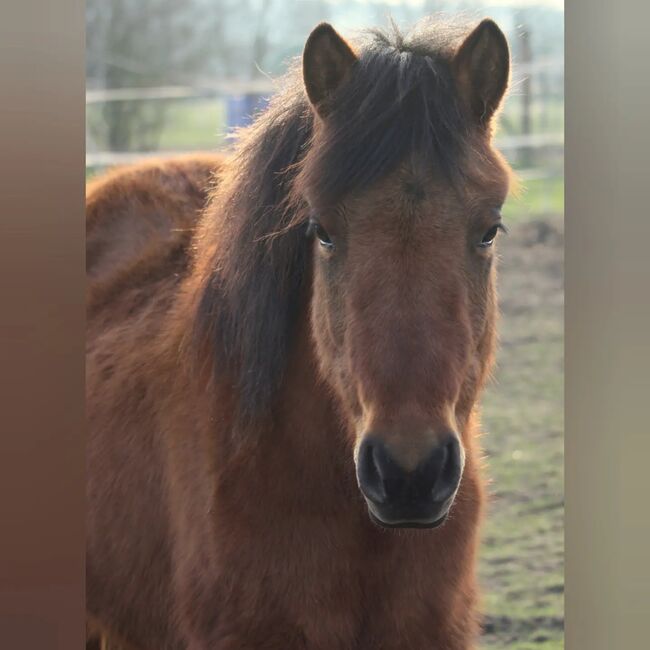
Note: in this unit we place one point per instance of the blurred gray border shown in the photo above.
(607, 314)
(607, 324)
(41, 324)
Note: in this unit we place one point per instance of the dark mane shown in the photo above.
(399, 101)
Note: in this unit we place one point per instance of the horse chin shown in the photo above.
(425, 524)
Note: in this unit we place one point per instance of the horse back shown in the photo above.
(140, 217)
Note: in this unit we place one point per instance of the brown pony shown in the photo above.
(282, 387)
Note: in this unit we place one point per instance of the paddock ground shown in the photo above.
(521, 564)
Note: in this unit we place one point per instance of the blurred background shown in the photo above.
(165, 77)
(169, 76)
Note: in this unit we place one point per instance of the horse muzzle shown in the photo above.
(409, 498)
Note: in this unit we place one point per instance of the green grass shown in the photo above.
(199, 124)
(188, 125)
(537, 197)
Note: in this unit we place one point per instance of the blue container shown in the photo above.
(240, 109)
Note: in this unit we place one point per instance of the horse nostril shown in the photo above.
(447, 469)
(368, 475)
(372, 465)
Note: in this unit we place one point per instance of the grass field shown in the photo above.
(194, 125)
(522, 553)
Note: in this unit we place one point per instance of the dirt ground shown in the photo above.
(522, 553)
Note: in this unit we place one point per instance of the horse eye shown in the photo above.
(322, 236)
(490, 235)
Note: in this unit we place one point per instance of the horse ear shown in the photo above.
(326, 61)
(481, 67)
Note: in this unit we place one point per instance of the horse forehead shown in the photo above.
(408, 205)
